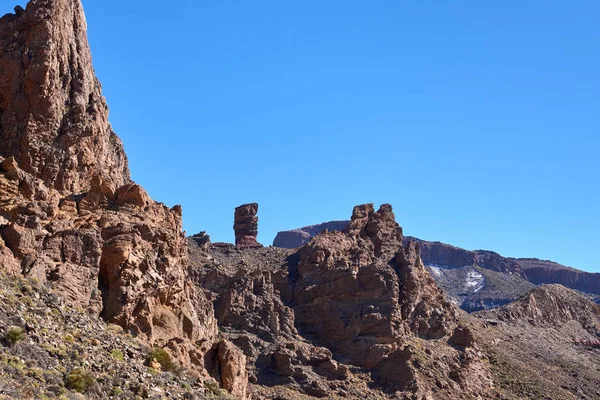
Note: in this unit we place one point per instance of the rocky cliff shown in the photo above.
(462, 273)
(347, 314)
(53, 117)
(535, 271)
(69, 214)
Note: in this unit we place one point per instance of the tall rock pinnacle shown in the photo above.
(53, 117)
(246, 225)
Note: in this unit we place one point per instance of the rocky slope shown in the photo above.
(537, 346)
(51, 350)
(351, 314)
(533, 270)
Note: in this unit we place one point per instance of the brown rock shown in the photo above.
(299, 237)
(133, 195)
(70, 215)
(361, 292)
(246, 225)
(234, 377)
(53, 118)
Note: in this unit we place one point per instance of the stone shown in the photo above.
(71, 217)
(246, 225)
(299, 237)
(234, 377)
(55, 121)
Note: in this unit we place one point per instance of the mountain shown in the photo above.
(70, 217)
(103, 296)
(475, 280)
(355, 314)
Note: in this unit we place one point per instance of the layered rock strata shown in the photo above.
(246, 225)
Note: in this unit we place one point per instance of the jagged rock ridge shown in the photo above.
(473, 279)
(306, 319)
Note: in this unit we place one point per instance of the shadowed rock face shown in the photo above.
(246, 225)
(53, 117)
(305, 319)
(361, 291)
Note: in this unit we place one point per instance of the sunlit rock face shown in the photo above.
(69, 214)
(53, 117)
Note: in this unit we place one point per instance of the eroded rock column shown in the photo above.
(245, 225)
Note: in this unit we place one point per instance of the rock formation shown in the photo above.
(361, 291)
(69, 214)
(299, 237)
(357, 298)
(53, 117)
(246, 225)
(477, 279)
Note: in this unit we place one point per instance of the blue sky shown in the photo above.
(478, 121)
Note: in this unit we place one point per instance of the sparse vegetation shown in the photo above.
(162, 357)
(117, 355)
(14, 335)
(79, 380)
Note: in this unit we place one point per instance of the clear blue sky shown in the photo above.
(478, 121)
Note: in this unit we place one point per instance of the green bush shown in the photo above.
(79, 380)
(162, 357)
(213, 387)
(117, 355)
(14, 335)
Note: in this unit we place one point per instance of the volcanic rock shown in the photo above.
(246, 225)
(361, 292)
(299, 237)
(71, 217)
(53, 117)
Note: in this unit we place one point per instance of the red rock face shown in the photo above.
(69, 215)
(246, 225)
(53, 117)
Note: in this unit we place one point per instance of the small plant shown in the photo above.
(116, 329)
(79, 380)
(14, 335)
(213, 387)
(117, 355)
(69, 338)
(162, 357)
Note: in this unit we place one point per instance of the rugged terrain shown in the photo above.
(318, 321)
(477, 279)
(102, 295)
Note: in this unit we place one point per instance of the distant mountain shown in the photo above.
(298, 237)
(475, 280)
